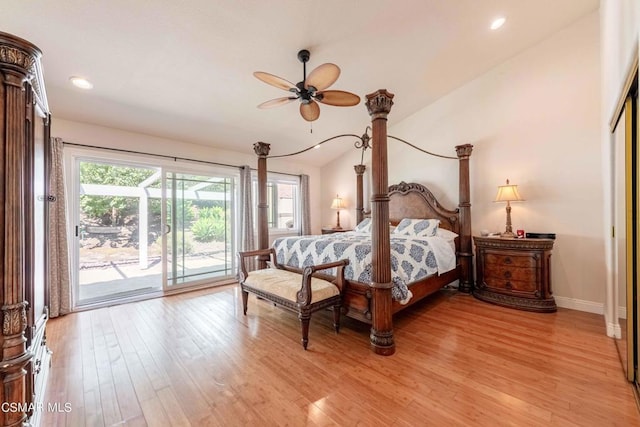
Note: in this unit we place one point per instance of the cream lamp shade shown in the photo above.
(508, 193)
(337, 204)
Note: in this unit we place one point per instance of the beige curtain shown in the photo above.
(58, 250)
(247, 240)
(305, 206)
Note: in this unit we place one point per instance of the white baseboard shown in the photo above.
(622, 312)
(580, 305)
(613, 329)
(588, 306)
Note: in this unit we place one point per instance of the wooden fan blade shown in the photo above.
(272, 80)
(277, 102)
(323, 76)
(339, 98)
(310, 111)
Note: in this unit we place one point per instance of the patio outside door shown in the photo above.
(144, 230)
(198, 227)
(118, 231)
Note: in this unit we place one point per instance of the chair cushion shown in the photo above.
(286, 284)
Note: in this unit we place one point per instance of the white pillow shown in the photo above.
(417, 227)
(446, 234)
(364, 226)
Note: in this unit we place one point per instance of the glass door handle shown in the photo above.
(167, 229)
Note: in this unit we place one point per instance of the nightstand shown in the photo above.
(329, 230)
(514, 273)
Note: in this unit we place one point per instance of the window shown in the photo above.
(283, 198)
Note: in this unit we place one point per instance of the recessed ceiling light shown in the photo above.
(81, 82)
(498, 22)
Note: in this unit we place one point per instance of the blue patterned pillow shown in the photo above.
(417, 227)
(364, 226)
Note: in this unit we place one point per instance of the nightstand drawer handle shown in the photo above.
(507, 260)
(507, 275)
(508, 285)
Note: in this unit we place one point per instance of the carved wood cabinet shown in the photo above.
(24, 136)
(514, 273)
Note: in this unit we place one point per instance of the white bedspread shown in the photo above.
(411, 258)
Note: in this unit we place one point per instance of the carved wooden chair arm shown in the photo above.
(270, 252)
(304, 295)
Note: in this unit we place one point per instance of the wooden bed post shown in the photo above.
(465, 255)
(262, 150)
(359, 193)
(379, 104)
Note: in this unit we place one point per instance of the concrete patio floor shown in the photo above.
(119, 279)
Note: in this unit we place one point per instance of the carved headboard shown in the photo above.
(412, 200)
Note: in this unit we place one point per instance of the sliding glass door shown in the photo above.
(198, 226)
(142, 229)
(117, 230)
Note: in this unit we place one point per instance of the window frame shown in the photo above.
(273, 179)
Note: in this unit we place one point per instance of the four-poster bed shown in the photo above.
(372, 302)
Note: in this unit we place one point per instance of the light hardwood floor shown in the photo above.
(194, 359)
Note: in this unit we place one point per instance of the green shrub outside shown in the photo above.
(210, 225)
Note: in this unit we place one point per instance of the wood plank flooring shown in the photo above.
(194, 360)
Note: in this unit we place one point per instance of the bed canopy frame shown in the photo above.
(379, 105)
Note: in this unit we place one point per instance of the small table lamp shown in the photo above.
(508, 193)
(337, 204)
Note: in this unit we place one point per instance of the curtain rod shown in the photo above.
(164, 156)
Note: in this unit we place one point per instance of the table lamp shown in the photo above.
(337, 204)
(508, 193)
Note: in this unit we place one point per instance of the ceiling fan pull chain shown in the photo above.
(311, 127)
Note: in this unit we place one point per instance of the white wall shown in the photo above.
(534, 119)
(620, 32)
(82, 133)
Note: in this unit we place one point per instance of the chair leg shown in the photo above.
(336, 317)
(304, 323)
(245, 297)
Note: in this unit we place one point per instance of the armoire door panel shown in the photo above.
(24, 358)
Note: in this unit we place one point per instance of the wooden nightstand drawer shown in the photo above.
(509, 260)
(510, 273)
(514, 272)
(507, 285)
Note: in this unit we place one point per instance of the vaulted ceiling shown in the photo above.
(183, 69)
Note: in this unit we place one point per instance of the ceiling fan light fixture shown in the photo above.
(310, 90)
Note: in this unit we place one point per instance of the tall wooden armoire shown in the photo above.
(24, 158)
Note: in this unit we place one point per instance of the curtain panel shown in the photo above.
(247, 238)
(58, 248)
(305, 206)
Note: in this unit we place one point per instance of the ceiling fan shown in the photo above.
(310, 90)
